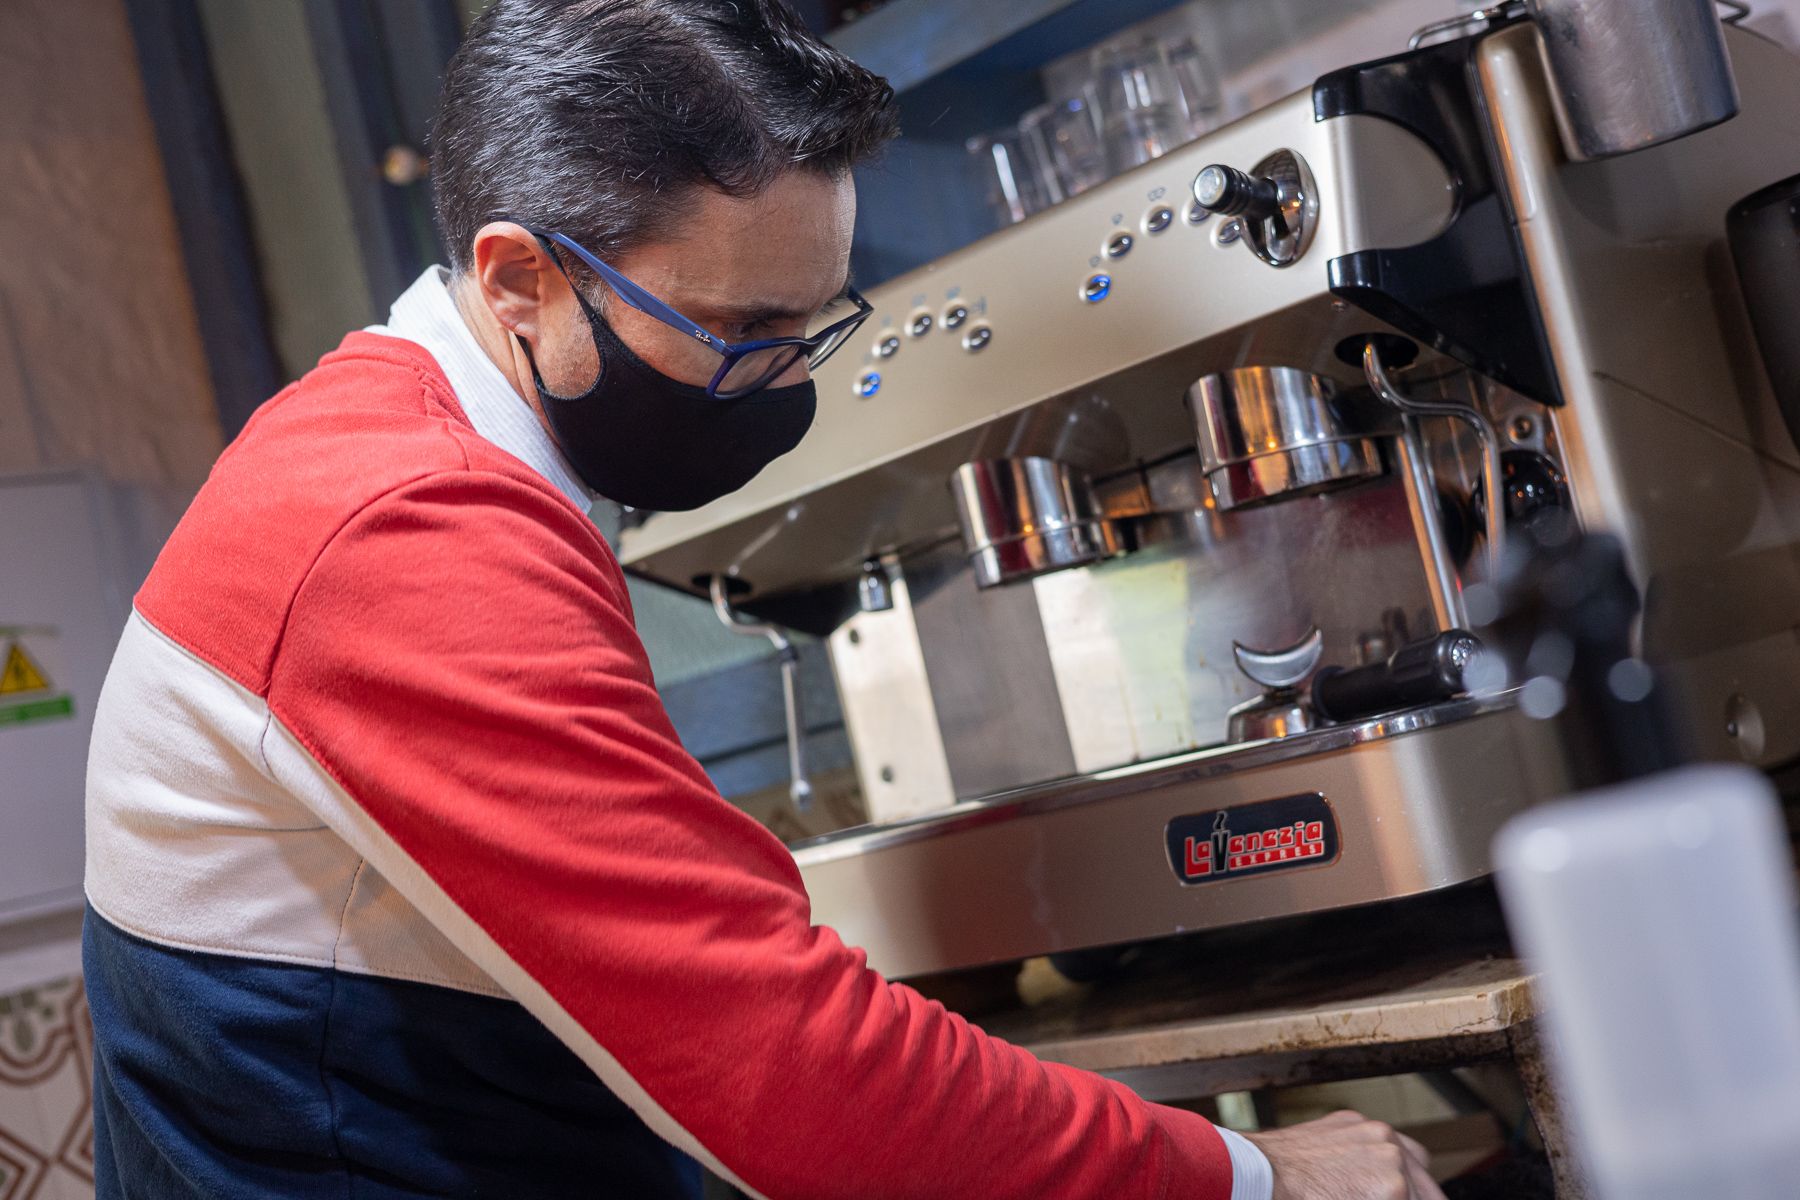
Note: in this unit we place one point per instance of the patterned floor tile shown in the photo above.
(46, 1115)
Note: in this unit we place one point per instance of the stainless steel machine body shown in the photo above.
(1042, 738)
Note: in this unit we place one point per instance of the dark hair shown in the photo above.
(591, 116)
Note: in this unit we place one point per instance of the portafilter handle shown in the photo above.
(799, 786)
(1424, 672)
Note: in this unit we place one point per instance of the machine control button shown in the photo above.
(977, 338)
(887, 345)
(1119, 245)
(1159, 219)
(920, 325)
(1197, 213)
(1097, 287)
(866, 385)
(955, 316)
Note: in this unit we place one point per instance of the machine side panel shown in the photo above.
(1670, 430)
(988, 661)
(888, 711)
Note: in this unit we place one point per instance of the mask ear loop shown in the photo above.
(549, 248)
(587, 310)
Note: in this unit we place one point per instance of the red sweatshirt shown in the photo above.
(381, 710)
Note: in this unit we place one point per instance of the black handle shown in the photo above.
(1764, 232)
(1417, 673)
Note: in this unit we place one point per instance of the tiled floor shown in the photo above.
(46, 1124)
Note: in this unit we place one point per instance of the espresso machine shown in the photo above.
(1145, 533)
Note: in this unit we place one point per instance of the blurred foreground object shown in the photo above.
(1661, 916)
(1562, 616)
(1658, 911)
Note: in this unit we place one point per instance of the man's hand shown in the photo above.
(1346, 1156)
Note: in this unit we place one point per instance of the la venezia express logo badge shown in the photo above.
(1251, 839)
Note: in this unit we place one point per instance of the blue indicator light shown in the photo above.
(1096, 288)
(868, 383)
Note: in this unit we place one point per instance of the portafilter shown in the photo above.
(1022, 517)
(1274, 433)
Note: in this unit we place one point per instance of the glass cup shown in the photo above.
(1015, 176)
(1143, 115)
(1198, 81)
(1065, 136)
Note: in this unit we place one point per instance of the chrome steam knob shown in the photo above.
(1229, 192)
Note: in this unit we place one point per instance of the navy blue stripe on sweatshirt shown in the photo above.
(218, 1076)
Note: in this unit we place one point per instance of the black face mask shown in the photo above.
(646, 441)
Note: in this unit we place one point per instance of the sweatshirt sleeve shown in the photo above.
(461, 695)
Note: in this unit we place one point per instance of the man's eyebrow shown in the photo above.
(752, 313)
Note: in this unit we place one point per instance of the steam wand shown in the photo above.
(800, 787)
(1494, 509)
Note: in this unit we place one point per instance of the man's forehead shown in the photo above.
(754, 303)
(786, 249)
(802, 218)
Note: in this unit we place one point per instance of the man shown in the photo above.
(401, 883)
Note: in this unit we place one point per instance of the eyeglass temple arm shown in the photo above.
(636, 296)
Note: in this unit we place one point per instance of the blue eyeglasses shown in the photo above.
(746, 367)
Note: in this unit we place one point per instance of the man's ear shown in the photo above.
(518, 281)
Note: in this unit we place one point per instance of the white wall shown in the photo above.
(101, 365)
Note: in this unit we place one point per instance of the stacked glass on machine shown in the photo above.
(1140, 99)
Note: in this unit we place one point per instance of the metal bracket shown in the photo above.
(799, 786)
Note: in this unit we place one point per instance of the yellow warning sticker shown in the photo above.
(20, 673)
(28, 671)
